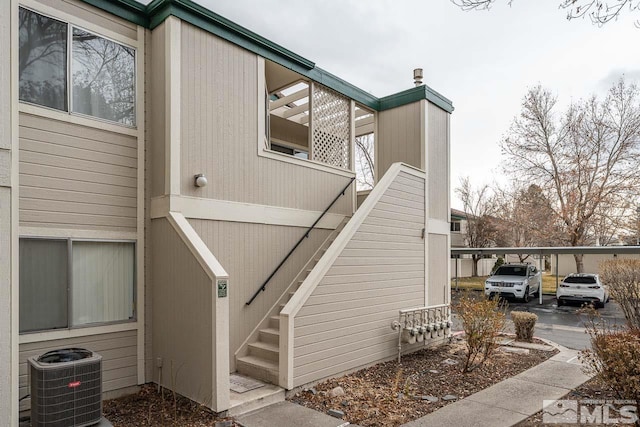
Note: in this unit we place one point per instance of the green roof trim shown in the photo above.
(413, 95)
(129, 10)
(153, 14)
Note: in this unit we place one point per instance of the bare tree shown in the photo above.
(599, 11)
(585, 161)
(364, 162)
(525, 219)
(478, 206)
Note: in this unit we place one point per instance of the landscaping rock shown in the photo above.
(449, 362)
(335, 413)
(336, 392)
(344, 403)
(433, 371)
(430, 399)
(449, 397)
(311, 390)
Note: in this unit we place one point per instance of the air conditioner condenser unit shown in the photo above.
(66, 388)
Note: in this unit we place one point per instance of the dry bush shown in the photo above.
(524, 323)
(614, 356)
(622, 276)
(482, 321)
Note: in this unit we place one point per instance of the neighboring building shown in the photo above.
(462, 265)
(567, 263)
(115, 115)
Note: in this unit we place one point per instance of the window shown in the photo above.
(69, 283)
(455, 226)
(102, 74)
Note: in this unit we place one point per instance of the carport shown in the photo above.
(572, 250)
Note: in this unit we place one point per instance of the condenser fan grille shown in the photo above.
(66, 393)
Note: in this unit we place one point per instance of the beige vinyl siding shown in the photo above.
(119, 359)
(249, 253)
(155, 109)
(183, 332)
(438, 269)
(73, 176)
(219, 122)
(399, 137)
(438, 170)
(345, 322)
(95, 16)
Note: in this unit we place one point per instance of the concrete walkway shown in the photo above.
(501, 405)
(514, 399)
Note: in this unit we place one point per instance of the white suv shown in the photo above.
(582, 288)
(514, 280)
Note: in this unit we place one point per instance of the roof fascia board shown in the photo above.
(129, 10)
(153, 14)
(415, 94)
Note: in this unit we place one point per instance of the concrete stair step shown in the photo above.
(242, 403)
(258, 368)
(270, 335)
(264, 350)
(274, 322)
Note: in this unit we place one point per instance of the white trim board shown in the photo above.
(438, 226)
(78, 332)
(224, 210)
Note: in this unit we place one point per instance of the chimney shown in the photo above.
(417, 76)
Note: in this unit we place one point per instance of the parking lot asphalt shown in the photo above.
(562, 325)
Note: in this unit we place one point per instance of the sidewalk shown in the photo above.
(514, 399)
(501, 405)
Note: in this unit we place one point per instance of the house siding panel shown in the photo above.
(183, 332)
(73, 176)
(119, 359)
(344, 324)
(399, 137)
(438, 269)
(219, 115)
(438, 170)
(249, 253)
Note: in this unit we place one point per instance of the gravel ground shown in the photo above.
(389, 394)
(150, 408)
(386, 394)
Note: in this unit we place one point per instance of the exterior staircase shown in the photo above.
(258, 357)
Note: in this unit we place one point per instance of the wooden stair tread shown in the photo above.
(258, 361)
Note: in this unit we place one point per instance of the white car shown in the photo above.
(514, 280)
(584, 288)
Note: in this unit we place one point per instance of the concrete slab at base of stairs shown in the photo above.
(287, 414)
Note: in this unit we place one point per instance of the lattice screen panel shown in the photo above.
(331, 123)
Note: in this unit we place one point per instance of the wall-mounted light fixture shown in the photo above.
(200, 180)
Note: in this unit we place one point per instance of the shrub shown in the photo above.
(622, 276)
(524, 323)
(482, 321)
(614, 357)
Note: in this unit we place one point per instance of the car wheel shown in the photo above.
(560, 302)
(598, 304)
(536, 294)
(525, 298)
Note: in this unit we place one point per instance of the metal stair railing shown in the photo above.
(263, 287)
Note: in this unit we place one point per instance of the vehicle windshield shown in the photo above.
(511, 270)
(580, 279)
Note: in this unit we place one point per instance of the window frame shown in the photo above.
(69, 292)
(69, 62)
